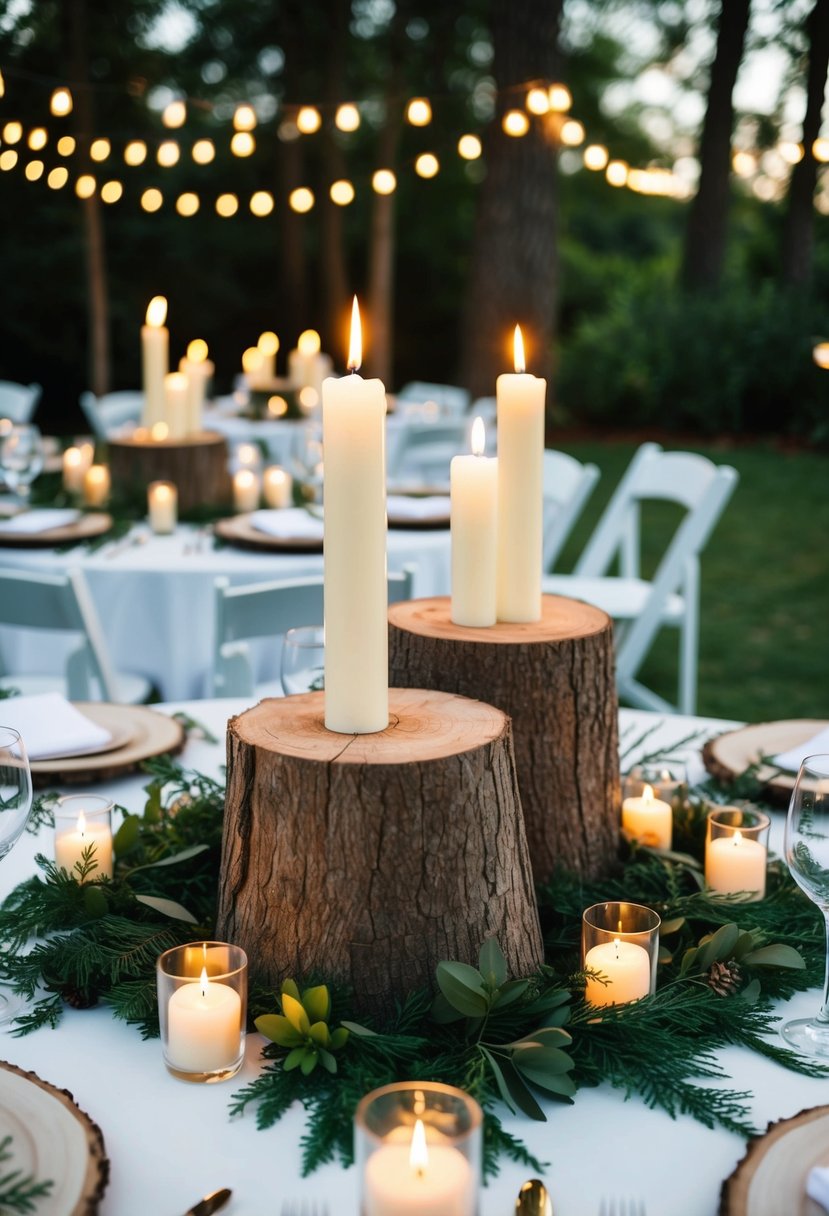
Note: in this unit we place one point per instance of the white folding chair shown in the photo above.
(425, 450)
(641, 607)
(268, 610)
(18, 402)
(62, 604)
(450, 398)
(108, 414)
(567, 486)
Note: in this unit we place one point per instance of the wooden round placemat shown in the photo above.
(148, 733)
(771, 1178)
(238, 530)
(88, 526)
(730, 754)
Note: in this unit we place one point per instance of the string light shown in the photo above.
(538, 101)
(168, 153)
(8, 159)
(427, 165)
(174, 115)
(515, 123)
(187, 204)
(111, 192)
(791, 152)
(57, 177)
(243, 144)
(419, 112)
(572, 133)
(308, 120)
(66, 145)
(85, 186)
(820, 354)
(38, 138)
(135, 152)
(744, 164)
(2, 85)
(34, 170)
(342, 193)
(616, 173)
(244, 118)
(12, 133)
(301, 200)
(60, 103)
(383, 181)
(469, 147)
(100, 149)
(152, 199)
(227, 205)
(347, 117)
(560, 98)
(203, 151)
(261, 203)
(595, 156)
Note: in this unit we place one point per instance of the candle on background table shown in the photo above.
(734, 862)
(648, 820)
(267, 345)
(96, 485)
(71, 844)
(627, 968)
(356, 590)
(416, 1178)
(162, 506)
(199, 372)
(278, 487)
(520, 406)
(176, 410)
(247, 456)
(474, 496)
(203, 1026)
(246, 490)
(155, 354)
(76, 461)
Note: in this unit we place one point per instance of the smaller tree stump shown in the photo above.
(197, 465)
(368, 859)
(555, 678)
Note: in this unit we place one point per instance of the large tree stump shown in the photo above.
(367, 859)
(555, 678)
(197, 465)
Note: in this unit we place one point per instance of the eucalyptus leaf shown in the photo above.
(443, 1012)
(327, 1060)
(362, 1032)
(492, 964)
(718, 946)
(544, 1059)
(776, 955)
(176, 859)
(508, 993)
(168, 907)
(95, 901)
(555, 1083)
(671, 926)
(462, 986)
(751, 992)
(511, 1088)
(127, 836)
(547, 1036)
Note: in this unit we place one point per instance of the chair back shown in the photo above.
(450, 398)
(108, 414)
(18, 401)
(267, 610)
(567, 485)
(425, 450)
(62, 604)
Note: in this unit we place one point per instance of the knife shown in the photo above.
(210, 1203)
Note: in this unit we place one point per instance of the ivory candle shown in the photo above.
(155, 354)
(204, 1020)
(474, 494)
(308, 367)
(96, 485)
(76, 461)
(520, 405)
(648, 820)
(245, 490)
(277, 487)
(416, 1180)
(253, 365)
(626, 967)
(162, 506)
(199, 371)
(71, 845)
(268, 345)
(356, 591)
(176, 405)
(734, 863)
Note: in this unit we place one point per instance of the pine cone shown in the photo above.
(725, 978)
(79, 998)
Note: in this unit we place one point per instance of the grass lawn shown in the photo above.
(764, 634)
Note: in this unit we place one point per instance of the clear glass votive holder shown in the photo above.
(667, 779)
(621, 942)
(418, 1148)
(202, 1010)
(648, 809)
(737, 852)
(83, 836)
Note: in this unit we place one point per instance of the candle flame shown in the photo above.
(268, 343)
(82, 824)
(308, 342)
(518, 349)
(647, 794)
(157, 312)
(419, 1154)
(203, 980)
(616, 942)
(159, 430)
(252, 359)
(738, 839)
(355, 345)
(478, 437)
(197, 350)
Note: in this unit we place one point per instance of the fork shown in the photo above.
(303, 1208)
(622, 1207)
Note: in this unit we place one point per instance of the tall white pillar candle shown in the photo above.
(155, 353)
(520, 398)
(277, 487)
(356, 590)
(96, 485)
(176, 405)
(199, 371)
(246, 490)
(474, 494)
(268, 345)
(76, 461)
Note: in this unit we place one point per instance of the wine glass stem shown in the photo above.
(823, 1013)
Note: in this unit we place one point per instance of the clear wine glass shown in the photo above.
(15, 808)
(303, 660)
(807, 856)
(307, 459)
(21, 458)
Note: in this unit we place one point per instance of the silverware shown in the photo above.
(534, 1199)
(304, 1209)
(210, 1203)
(630, 1207)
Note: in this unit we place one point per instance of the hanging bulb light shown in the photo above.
(61, 102)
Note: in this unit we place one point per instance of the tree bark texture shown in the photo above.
(798, 229)
(555, 679)
(514, 266)
(198, 466)
(368, 859)
(705, 236)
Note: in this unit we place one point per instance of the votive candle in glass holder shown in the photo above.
(645, 816)
(246, 490)
(83, 836)
(162, 506)
(96, 485)
(736, 852)
(621, 942)
(667, 778)
(202, 1010)
(418, 1148)
(277, 487)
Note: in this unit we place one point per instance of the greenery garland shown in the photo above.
(502, 1039)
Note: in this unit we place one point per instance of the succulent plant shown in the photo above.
(302, 1028)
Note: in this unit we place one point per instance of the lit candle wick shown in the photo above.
(203, 982)
(419, 1154)
(82, 824)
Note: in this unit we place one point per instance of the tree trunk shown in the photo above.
(368, 859)
(334, 284)
(83, 121)
(705, 236)
(555, 679)
(798, 231)
(513, 273)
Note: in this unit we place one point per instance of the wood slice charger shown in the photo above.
(771, 1178)
(555, 678)
(368, 859)
(196, 464)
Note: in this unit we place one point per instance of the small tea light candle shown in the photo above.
(627, 969)
(278, 486)
(204, 1026)
(245, 490)
(736, 853)
(72, 843)
(96, 485)
(162, 506)
(76, 461)
(418, 1180)
(648, 820)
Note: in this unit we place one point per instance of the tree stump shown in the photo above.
(368, 859)
(555, 678)
(197, 465)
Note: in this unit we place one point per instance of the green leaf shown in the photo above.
(126, 838)
(362, 1032)
(510, 992)
(559, 1017)
(443, 1012)
(320, 1034)
(278, 1029)
(296, 1015)
(462, 986)
(553, 1082)
(309, 1062)
(95, 901)
(339, 1038)
(511, 1088)
(545, 1036)
(167, 907)
(291, 988)
(294, 1059)
(317, 1003)
(775, 955)
(327, 1060)
(751, 992)
(671, 926)
(492, 964)
(176, 859)
(745, 942)
(718, 946)
(542, 1058)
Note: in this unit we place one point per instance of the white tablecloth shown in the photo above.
(155, 600)
(170, 1142)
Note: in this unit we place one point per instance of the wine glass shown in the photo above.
(21, 458)
(807, 856)
(303, 660)
(15, 808)
(307, 459)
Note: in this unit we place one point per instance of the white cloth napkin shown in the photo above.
(292, 523)
(794, 757)
(817, 1185)
(51, 726)
(29, 523)
(432, 506)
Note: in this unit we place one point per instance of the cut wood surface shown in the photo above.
(368, 859)
(555, 678)
(729, 755)
(196, 464)
(771, 1178)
